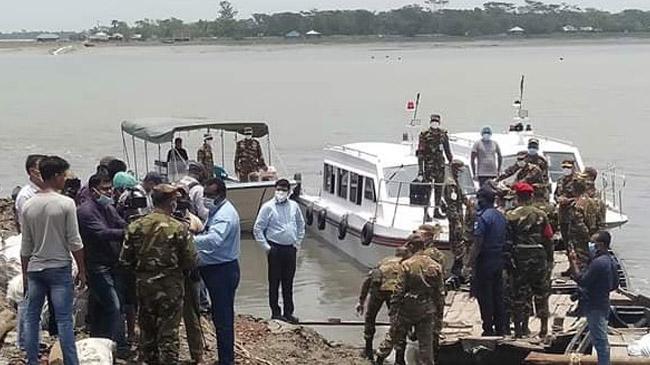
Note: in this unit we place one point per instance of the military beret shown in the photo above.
(568, 164)
(435, 117)
(533, 142)
(523, 188)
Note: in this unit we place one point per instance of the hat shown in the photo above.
(523, 188)
(165, 189)
(568, 164)
(248, 130)
(207, 137)
(486, 130)
(435, 117)
(430, 229)
(415, 240)
(533, 142)
(153, 177)
(521, 155)
(106, 160)
(591, 173)
(124, 180)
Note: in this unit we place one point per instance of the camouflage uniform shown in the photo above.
(599, 205)
(540, 162)
(529, 173)
(579, 228)
(380, 283)
(417, 302)
(563, 192)
(431, 145)
(532, 254)
(204, 157)
(158, 248)
(454, 198)
(248, 158)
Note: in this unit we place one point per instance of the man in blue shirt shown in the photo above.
(486, 261)
(595, 282)
(280, 229)
(218, 251)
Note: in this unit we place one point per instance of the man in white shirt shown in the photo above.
(34, 185)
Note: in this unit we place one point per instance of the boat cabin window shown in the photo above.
(466, 182)
(342, 182)
(356, 188)
(328, 179)
(369, 190)
(555, 163)
(399, 178)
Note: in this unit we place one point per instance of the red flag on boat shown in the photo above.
(410, 105)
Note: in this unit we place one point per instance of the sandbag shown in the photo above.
(640, 348)
(91, 351)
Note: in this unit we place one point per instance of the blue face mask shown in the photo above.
(592, 249)
(104, 200)
(212, 204)
(532, 151)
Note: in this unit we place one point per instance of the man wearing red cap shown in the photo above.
(529, 238)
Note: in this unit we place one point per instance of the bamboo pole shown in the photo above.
(538, 358)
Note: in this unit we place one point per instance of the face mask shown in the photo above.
(521, 163)
(281, 196)
(435, 124)
(104, 200)
(212, 204)
(486, 137)
(592, 249)
(248, 136)
(532, 151)
(567, 171)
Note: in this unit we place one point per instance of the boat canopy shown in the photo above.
(162, 130)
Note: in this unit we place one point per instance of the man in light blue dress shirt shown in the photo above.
(280, 229)
(218, 251)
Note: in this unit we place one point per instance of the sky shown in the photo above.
(16, 15)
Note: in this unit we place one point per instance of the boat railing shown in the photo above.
(612, 184)
(348, 150)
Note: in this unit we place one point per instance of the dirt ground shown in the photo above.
(258, 342)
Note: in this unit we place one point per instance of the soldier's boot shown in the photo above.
(368, 353)
(400, 357)
(543, 331)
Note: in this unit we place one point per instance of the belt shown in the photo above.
(279, 244)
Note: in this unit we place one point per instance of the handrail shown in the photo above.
(345, 149)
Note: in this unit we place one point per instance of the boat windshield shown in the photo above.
(398, 180)
(555, 163)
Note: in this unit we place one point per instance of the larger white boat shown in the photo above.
(365, 206)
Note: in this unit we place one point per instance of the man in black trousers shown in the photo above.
(280, 229)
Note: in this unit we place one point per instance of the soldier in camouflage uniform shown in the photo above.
(204, 155)
(248, 156)
(454, 201)
(415, 303)
(433, 146)
(536, 159)
(525, 171)
(430, 235)
(158, 248)
(380, 284)
(591, 174)
(529, 239)
(563, 195)
(581, 221)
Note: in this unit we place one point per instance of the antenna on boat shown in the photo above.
(520, 121)
(417, 105)
(412, 127)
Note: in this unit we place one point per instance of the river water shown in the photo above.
(595, 95)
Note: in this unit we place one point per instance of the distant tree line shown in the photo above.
(431, 17)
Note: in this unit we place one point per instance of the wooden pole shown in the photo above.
(538, 358)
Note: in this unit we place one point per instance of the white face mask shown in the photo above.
(435, 124)
(567, 171)
(248, 136)
(487, 137)
(281, 196)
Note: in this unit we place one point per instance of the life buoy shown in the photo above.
(322, 219)
(309, 214)
(367, 233)
(343, 227)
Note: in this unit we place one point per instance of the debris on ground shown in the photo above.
(258, 341)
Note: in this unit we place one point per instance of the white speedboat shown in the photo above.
(144, 139)
(365, 206)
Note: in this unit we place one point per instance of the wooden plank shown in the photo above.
(538, 358)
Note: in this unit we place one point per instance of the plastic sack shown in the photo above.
(640, 348)
(15, 289)
(95, 351)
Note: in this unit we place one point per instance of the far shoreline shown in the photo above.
(555, 39)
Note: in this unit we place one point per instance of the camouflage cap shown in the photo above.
(248, 130)
(533, 142)
(430, 229)
(207, 137)
(165, 189)
(435, 117)
(416, 241)
(568, 164)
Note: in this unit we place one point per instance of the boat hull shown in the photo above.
(248, 199)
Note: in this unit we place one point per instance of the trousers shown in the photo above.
(281, 271)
